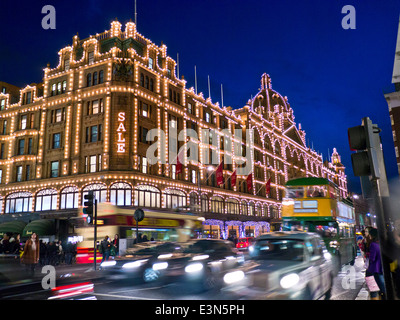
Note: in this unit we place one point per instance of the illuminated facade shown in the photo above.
(84, 128)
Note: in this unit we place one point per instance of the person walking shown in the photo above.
(116, 245)
(30, 256)
(375, 265)
(105, 249)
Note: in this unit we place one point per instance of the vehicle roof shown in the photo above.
(309, 181)
(288, 235)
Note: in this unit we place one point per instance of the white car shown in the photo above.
(284, 265)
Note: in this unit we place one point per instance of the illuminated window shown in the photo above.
(99, 191)
(2, 104)
(18, 202)
(151, 63)
(59, 115)
(55, 165)
(4, 127)
(59, 88)
(69, 198)
(56, 140)
(46, 200)
(54, 89)
(147, 196)
(66, 64)
(19, 174)
(95, 78)
(64, 86)
(174, 199)
(91, 57)
(217, 205)
(23, 122)
(21, 146)
(193, 176)
(121, 194)
(92, 163)
(173, 171)
(144, 165)
(145, 110)
(232, 206)
(1, 175)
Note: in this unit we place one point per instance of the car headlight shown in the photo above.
(234, 276)
(134, 264)
(200, 257)
(194, 267)
(289, 280)
(108, 263)
(160, 266)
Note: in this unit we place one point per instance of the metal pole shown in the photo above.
(383, 240)
(95, 234)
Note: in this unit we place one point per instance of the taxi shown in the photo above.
(284, 265)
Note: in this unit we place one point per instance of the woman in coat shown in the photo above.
(31, 254)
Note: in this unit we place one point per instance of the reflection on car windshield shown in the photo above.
(271, 249)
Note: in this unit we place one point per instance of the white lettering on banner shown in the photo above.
(121, 129)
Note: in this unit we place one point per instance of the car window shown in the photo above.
(274, 249)
(316, 247)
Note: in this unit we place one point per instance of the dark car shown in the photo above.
(201, 261)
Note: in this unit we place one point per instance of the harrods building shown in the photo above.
(85, 127)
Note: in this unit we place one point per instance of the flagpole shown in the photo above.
(209, 90)
(222, 96)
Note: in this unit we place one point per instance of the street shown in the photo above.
(346, 286)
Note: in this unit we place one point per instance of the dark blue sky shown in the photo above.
(331, 76)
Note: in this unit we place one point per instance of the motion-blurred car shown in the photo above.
(244, 243)
(202, 262)
(284, 265)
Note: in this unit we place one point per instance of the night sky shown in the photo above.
(331, 76)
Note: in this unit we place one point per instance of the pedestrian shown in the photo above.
(31, 254)
(116, 245)
(105, 249)
(43, 253)
(16, 249)
(69, 250)
(375, 265)
(6, 243)
(60, 253)
(51, 253)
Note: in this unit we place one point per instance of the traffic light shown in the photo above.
(366, 141)
(88, 207)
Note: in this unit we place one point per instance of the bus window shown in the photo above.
(294, 193)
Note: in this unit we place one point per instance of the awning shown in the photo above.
(12, 227)
(41, 227)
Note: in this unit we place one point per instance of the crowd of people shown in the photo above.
(33, 251)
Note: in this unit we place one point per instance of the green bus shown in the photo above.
(314, 205)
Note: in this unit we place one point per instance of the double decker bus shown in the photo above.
(157, 225)
(314, 205)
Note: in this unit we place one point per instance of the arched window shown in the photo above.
(147, 196)
(121, 194)
(99, 191)
(251, 209)
(232, 206)
(19, 202)
(69, 198)
(217, 205)
(204, 203)
(174, 199)
(258, 210)
(244, 207)
(151, 84)
(46, 200)
(194, 201)
(265, 213)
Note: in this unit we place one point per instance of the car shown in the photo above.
(201, 262)
(284, 265)
(244, 243)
